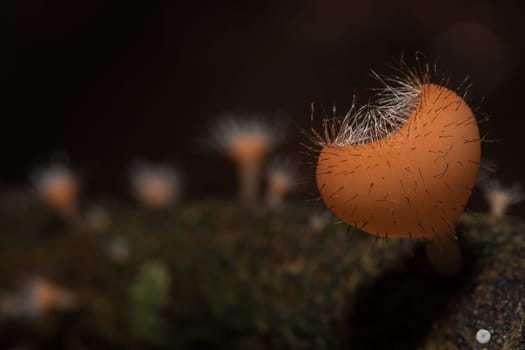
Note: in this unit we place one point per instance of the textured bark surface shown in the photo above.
(492, 297)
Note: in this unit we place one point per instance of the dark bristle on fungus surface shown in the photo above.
(404, 167)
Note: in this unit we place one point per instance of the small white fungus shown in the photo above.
(483, 336)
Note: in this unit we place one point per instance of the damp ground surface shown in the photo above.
(211, 275)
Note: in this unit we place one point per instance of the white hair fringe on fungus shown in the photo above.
(395, 101)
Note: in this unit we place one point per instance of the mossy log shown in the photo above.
(257, 279)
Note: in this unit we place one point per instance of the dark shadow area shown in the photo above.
(397, 310)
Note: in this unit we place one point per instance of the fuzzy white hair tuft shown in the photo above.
(396, 100)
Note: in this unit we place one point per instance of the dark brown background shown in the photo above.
(109, 81)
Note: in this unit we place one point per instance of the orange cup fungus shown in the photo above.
(405, 168)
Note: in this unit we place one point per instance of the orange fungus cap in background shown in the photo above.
(414, 182)
(249, 148)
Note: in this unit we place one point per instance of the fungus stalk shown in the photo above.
(249, 156)
(249, 173)
(404, 167)
(444, 254)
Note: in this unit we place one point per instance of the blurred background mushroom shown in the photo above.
(281, 179)
(500, 197)
(247, 141)
(155, 186)
(58, 188)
